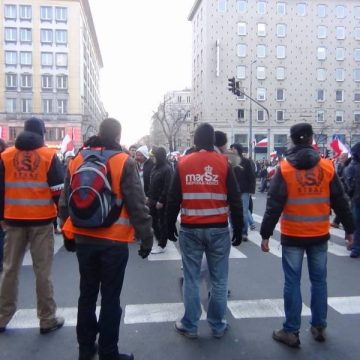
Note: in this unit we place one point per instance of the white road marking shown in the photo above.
(345, 305)
(236, 254)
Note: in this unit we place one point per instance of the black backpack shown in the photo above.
(92, 202)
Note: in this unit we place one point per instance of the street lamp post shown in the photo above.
(250, 118)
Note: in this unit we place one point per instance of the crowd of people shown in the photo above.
(107, 197)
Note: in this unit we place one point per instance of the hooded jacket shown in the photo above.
(302, 157)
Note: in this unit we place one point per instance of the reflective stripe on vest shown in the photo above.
(29, 202)
(301, 218)
(204, 212)
(25, 185)
(324, 200)
(204, 196)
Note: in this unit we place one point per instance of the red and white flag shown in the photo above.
(262, 143)
(338, 147)
(67, 144)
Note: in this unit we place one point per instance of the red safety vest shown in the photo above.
(121, 230)
(27, 192)
(203, 184)
(307, 209)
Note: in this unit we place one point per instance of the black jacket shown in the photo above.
(302, 157)
(148, 165)
(245, 176)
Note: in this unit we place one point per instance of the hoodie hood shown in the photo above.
(160, 155)
(302, 157)
(144, 150)
(28, 140)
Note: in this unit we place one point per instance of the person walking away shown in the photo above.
(102, 249)
(31, 179)
(160, 179)
(204, 187)
(145, 165)
(3, 146)
(245, 176)
(302, 191)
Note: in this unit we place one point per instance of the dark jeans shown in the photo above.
(2, 235)
(101, 267)
(159, 224)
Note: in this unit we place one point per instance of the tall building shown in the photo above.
(299, 59)
(50, 59)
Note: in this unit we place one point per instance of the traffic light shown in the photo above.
(232, 85)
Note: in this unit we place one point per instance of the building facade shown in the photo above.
(50, 60)
(299, 59)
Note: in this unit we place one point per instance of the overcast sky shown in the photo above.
(146, 49)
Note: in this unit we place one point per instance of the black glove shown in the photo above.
(173, 233)
(237, 238)
(69, 245)
(144, 253)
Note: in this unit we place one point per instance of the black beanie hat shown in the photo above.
(239, 148)
(35, 125)
(220, 138)
(300, 133)
(204, 137)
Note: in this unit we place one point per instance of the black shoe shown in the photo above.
(318, 333)
(179, 327)
(288, 338)
(87, 353)
(59, 324)
(245, 238)
(354, 254)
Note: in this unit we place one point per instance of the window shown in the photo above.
(280, 8)
(280, 52)
(61, 82)
(11, 58)
(10, 12)
(25, 58)
(320, 95)
(321, 53)
(357, 117)
(260, 115)
(61, 14)
(321, 10)
(340, 32)
(25, 35)
(26, 105)
(25, 12)
(301, 9)
(11, 81)
(46, 36)
(357, 96)
(321, 74)
(280, 115)
(241, 28)
(261, 94)
(61, 37)
(340, 54)
(260, 72)
(241, 50)
(261, 51)
(280, 30)
(47, 82)
(242, 6)
(280, 95)
(222, 5)
(339, 95)
(280, 140)
(340, 11)
(322, 32)
(10, 105)
(357, 54)
(46, 13)
(241, 95)
(357, 12)
(241, 114)
(10, 34)
(62, 106)
(61, 60)
(280, 73)
(54, 134)
(339, 74)
(320, 116)
(261, 29)
(261, 7)
(339, 116)
(357, 75)
(26, 81)
(46, 59)
(47, 106)
(357, 33)
(241, 72)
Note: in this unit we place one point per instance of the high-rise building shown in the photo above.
(50, 59)
(299, 59)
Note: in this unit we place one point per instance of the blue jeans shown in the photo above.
(102, 267)
(2, 235)
(356, 215)
(215, 242)
(245, 197)
(292, 259)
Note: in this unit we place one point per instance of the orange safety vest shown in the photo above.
(203, 184)
(307, 209)
(121, 230)
(27, 192)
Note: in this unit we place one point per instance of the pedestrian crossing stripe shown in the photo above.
(169, 312)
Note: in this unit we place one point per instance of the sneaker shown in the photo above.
(179, 327)
(157, 250)
(318, 333)
(252, 227)
(354, 254)
(59, 324)
(219, 335)
(288, 338)
(245, 238)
